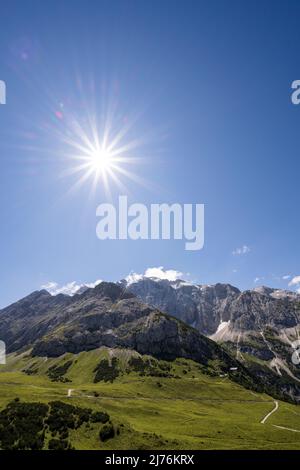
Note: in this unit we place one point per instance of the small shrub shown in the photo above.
(99, 417)
(107, 432)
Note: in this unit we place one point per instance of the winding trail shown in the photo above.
(271, 412)
(287, 429)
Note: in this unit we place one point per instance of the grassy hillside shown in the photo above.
(151, 404)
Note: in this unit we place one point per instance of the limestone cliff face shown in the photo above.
(205, 307)
(202, 307)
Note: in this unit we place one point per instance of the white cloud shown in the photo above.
(68, 289)
(287, 276)
(295, 281)
(241, 251)
(158, 273)
(161, 273)
(133, 277)
(257, 279)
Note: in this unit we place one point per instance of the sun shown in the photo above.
(102, 153)
(100, 160)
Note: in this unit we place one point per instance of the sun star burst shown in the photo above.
(101, 156)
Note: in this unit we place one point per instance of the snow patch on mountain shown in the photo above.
(222, 325)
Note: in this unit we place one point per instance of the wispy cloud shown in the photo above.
(258, 279)
(68, 289)
(286, 277)
(295, 281)
(243, 250)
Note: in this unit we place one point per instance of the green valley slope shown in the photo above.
(152, 404)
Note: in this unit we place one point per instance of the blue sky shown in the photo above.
(206, 86)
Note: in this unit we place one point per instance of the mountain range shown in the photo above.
(246, 336)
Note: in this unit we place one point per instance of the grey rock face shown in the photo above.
(252, 310)
(202, 307)
(205, 307)
(30, 318)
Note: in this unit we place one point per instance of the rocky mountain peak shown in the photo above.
(108, 290)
